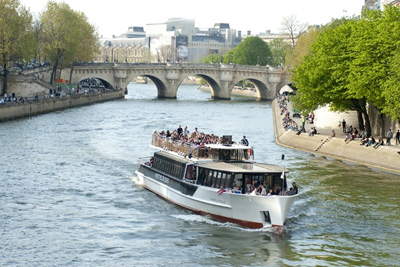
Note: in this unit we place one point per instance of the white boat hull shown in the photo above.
(252, 211)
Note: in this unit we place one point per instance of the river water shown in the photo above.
(67, 197)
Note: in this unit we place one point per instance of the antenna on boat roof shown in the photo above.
(283, 175)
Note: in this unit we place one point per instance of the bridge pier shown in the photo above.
(223, 91)
(168, 89)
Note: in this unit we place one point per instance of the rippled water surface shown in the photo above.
(67, 198)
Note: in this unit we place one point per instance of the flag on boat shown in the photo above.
(222, 190)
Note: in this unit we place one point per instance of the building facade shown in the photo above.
(177, 40)
(379, 4)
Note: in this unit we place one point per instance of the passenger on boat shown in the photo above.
(244, 141)
(179, 130)
(186, 131)
(263, 190)
(295, 189)
(276, 191)
(238, 190)
(150, 163)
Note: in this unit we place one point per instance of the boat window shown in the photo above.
(214, 179)
(223, 179)
(169, 166)
(209, 181)
(218, 181)
(238, 180)
(268, 181)
(202, 178)
(190, 172)
(229, 181)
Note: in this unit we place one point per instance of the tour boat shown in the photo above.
(216, 180)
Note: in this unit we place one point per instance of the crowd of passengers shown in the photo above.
(258, 189)
(195, 138)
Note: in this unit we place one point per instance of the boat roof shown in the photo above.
(230, 147)
(243, 167)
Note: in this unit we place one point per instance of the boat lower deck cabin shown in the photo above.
(236, 176)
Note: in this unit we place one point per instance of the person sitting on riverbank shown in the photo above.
(379, 143)
(364, 141)
(371, 141)
(301, 130)
(348, 138)
(313, 131)
(350, 129)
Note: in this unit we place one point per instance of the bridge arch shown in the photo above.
(94, 82)
(213, 84)
(160, 85)
(264, 89)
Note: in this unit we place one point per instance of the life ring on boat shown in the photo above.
(249, 151)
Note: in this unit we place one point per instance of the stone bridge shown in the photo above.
(167, 77)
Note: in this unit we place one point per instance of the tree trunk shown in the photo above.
(360, 120)
(364, 111)
(53, 74)
(70, 74)
(383, 126)
(5, 75)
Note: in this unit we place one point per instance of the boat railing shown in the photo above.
(144, 160)
(179, 147)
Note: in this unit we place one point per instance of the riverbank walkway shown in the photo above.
(384, 157)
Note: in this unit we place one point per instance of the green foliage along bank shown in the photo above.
(59, 36)
(353, 64)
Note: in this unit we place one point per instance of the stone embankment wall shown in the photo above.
(11, 111)
(27, 86)
(384, 157)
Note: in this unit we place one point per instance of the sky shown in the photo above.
(113, 17)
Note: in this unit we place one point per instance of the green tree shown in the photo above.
(251, 51)
(375, 43)
(279, 50)
(391, 90)
(212, 58)
(228, 58)
(67, 36)
(16, 39)
(322, 77)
